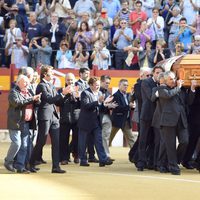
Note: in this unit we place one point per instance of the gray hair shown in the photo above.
(26, 71)
(168, 74)
(145, 69)
(20, 77)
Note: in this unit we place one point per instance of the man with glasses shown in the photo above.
(137, 16)
(122, 38)
(185, 33)
(121, 115)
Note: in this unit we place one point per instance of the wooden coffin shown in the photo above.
(187, 68)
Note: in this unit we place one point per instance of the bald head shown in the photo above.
(70, 79)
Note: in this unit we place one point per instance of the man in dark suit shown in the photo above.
(82, 83)
(48, 119)
(69, 114)
(173, 121)
(89, 122)
(121, 115)
(147, 133)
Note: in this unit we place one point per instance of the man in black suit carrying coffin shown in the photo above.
(89, 122)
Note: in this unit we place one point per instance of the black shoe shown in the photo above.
(107, 162)
(187, 166)
(39, 162)
(23, 171)
(93, 160)
(33, 169)
(9, 167)
(111, 159)
(58, 171)
(64, 162)
(140, 169)
(175, 172)
(76, 160)
(84, 164)
(163, 170)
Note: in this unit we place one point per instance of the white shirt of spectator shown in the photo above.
(157, 32)
(53, 30)
(188, 10)
(147, 6)
(100, 62)
(58, 9)
(10, 37)
(18, 57)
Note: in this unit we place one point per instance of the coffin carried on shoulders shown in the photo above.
(186, 67)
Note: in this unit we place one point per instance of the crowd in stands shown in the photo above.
(100, 34)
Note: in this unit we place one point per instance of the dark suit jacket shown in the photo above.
(120, 113)
(89, 116)
(69, 109)
(82, 86)
(59, 34)
(16, 109)
(148, 107)
(172, 103)
(49, 98)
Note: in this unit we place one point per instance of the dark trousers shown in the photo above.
(149, 141)
(120, 57)
(45, 127)
(174, 155)
(82, 144)
(194, 134)
(65, 150)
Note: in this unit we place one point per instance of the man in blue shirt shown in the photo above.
(112, 7)
(122, 38)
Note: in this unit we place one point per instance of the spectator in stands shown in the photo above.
(179, 49)
(64, 56)
(161, 52)
(61, 7)
(121, 115)
(185, 33)
(69, 112)
(112, 7)
(132, 61)
(84, 35)
(146, 56)
(124, 12)
(81, 56)
(2, 35)
(103, 16)
(13, 14)
(189, 9)
(166, 13)
(71, 26)
(148, 6)
(86, 18)
(195, 46)
(43, 11)
(144, 34)
(55, 32)
(23, 8)
(100, 34)
(17, 51)
(156, 24)
(82, 6)
(20, 116)
(101, 56)
(42, 53)
(173, 23)
(122, 38)
(12, 33)
(4, 8)
(196, 24)
(137, 16)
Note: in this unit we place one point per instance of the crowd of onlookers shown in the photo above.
(102, 34)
